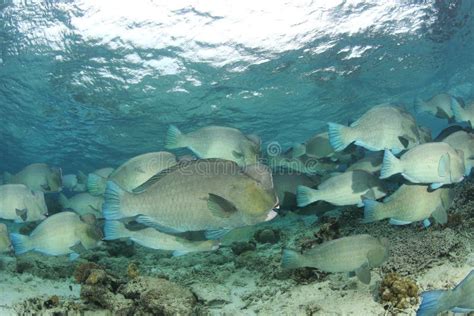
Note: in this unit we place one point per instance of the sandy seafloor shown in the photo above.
(252, 282)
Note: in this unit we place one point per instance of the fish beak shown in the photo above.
(271, 215)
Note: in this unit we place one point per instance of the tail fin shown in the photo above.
(291, 259)
(429, 304)
(372, 211)
(7, 177)
(420, 105)
(458, 111)
(390, 165)
(339, 136)
(96, 184)
(81, 177)
(173, 138)
(112, 196)
(115, 230)
(305, 195)
(21, 243)
(298, 150)
(62, 200)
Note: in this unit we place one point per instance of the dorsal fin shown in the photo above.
(160, 175)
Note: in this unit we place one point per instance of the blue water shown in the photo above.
(87, 84)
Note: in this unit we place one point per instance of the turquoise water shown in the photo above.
(90, 84)
(86, 85)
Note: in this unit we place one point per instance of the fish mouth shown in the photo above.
(271, 215)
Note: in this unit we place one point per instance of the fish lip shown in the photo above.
(271, 215)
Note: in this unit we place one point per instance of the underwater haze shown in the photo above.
(87, 84)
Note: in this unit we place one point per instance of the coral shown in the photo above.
(53, 301)
(159, 296)
(83, 270)
(132, 270)
(118, 248)
(267, 235)
(240, 247)
(398, 291)
(46, 267)
(328, 231)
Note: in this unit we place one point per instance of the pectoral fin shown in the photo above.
(443, 165)
(23, 213)
(220, 206)
(363, 273)
(404, 141)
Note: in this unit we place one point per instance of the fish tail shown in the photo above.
(390, 165)
(95, 184)
(115, 230)
(372, 211)
(291, 259)
(112, 208)
(458, 111)
(173, 138)
(430, 303)
(21, 243)
(298, 150)
(7, 177)
(305, 195)
(62, 200)
(420, 105)
(339, 136)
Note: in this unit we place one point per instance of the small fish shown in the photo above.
(206, 194)
(97, 180)
(410, 203)
(136, 171)
(37, 177)
(435, 163)
(458, 300)
(19, 203)
(371, 163)
(216, 142)
(464, 141)
(5, 244)
(348, 188)
(317, 146)
(151, 238)
(463, 114)
(83, 203)
(59, 234)
(374, 132)
(357, 253)
(439, 105)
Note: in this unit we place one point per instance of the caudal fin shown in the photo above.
(21, 243)
(390, 165)
(420, 105)
(339, 136)
(115, 230)
(458, 111)
(372, 211)
(298, 150)
(291, 259)
(173, 138)
(111, 208)
(305, 195)
(430, 303)
(96, 184)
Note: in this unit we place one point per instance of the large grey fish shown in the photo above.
(357, 253)
(83, 203)
(458, 300)
(411, 203)
(151, 238)
(286, 183)
(319, 147)
(97, 180)
(375, 132)
(38, 177)
(19, 203)
(136, 171)
(370, 163)
(464, 141)
(206, 194)
(216, 142)
(439, 106)
(435, 163)
(463, 114)
(348, 188)
(5, 244)
(58, 235)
